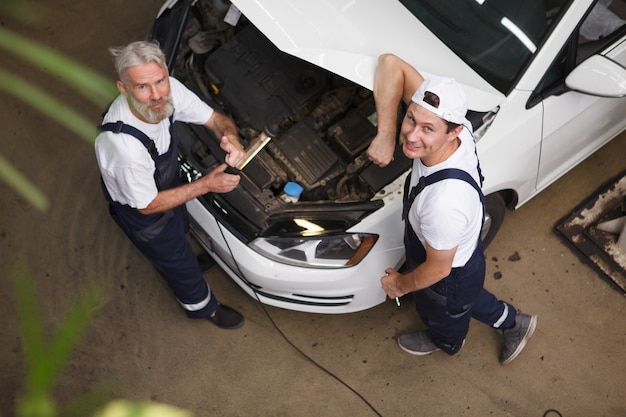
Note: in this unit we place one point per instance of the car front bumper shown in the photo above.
(331, 291)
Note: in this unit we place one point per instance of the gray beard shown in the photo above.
(152, 116)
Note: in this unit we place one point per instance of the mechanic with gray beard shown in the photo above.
(138, 159)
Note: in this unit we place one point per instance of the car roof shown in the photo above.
(347, 36)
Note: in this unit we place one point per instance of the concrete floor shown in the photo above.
(140, 346)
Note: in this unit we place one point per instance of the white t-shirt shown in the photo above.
(448, 213)
(126, 167)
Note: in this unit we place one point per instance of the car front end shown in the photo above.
(297, 79)
(325, 249)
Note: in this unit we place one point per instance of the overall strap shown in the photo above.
(449, 173)
(164, 172)
(121, 127)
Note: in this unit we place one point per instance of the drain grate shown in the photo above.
(599, 248)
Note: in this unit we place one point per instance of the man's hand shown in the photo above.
(381, 149)
(218, 181)
(235, 154)
(224, 127)
(390, 283)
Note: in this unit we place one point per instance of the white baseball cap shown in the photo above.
(452, 100)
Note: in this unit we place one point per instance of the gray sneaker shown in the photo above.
(516, 337)
(417, 343)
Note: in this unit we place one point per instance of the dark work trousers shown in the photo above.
(447, 306)
(161, 237)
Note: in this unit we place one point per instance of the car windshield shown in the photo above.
(496, 38)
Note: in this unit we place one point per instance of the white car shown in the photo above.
(545, 80)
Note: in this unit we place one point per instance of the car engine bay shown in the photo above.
(320, 125)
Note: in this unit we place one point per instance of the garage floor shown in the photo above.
(140, 346)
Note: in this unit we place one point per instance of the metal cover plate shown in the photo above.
(599, 248)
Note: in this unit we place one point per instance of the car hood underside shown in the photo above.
(347, 36)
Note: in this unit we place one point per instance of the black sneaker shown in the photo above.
(226, 318)
(516, 337)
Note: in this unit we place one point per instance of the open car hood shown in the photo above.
(347, 36)
(301, 74)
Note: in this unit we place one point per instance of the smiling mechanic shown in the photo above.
(443, 214)
(137, 155)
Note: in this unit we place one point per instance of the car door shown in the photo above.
(576, 124)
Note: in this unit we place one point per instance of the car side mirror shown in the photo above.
(598, 76)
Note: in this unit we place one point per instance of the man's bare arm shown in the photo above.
(437, 266)
(394, 81)
(216, 181)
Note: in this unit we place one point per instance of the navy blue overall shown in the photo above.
(447, 306)
(161, 237)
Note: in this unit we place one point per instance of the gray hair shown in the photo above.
(136, 53)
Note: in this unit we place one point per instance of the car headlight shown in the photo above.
(336, 251)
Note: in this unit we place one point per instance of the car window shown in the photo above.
(496, 38)
(603, 25)
(606, 18)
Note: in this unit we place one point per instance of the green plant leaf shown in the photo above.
(98, 395)
(125, 408)
(71, 329)
(48, 105)
(88, 83)
(45, 361)
(31, 329)
(36, 405)
(22, 185)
